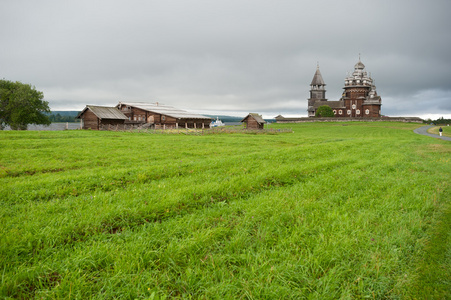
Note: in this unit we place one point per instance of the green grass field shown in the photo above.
(329, 211)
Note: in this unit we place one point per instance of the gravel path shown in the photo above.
(424, 131)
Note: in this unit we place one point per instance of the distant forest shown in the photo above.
(438, 121)
(63, 116)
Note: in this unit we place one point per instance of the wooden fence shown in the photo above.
(192, 131)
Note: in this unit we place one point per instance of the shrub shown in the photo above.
(324, 111)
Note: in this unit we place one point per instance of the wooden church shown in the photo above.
(359, 99)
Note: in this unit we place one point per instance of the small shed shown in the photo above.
(254, 121)
(95, 117)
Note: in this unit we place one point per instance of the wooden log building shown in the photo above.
(161, 116)
(254, 121)
(96, 117)
(359, 99)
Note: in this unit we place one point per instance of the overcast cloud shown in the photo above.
(228, 56)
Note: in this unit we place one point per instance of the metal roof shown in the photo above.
(164, 110)
(103, 112)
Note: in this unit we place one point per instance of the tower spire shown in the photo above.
(317, 78)
(317, 91)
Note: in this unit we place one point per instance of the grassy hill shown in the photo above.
(329, 211)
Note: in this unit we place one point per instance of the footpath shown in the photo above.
(424, 131)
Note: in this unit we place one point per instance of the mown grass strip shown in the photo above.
(328, 211)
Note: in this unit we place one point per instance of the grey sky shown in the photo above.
(228, 57)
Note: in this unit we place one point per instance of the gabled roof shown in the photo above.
(164, 110)
(256, 117)
(103, 112)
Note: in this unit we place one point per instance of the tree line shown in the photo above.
(438, 121)
(58, 118)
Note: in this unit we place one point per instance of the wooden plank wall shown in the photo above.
(90, 120)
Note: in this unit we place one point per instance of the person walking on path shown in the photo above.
(423, 130)
(440, 130)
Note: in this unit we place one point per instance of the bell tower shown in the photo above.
(317, 92)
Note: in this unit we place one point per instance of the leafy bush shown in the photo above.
(324, 111)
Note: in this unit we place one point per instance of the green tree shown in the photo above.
(324, 111)
(21, 104)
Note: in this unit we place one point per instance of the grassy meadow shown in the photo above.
(329, 211)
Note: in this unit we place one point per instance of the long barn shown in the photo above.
(161, 116)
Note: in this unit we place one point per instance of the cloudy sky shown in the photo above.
(228, 56)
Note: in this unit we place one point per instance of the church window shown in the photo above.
(367, 111)
(340, 112)
(357, 111)
(349, 111)
(353, 106)
(335, 112)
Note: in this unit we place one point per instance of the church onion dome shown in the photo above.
(317, 78)
(359, 77)
(359, 65)
(372, 92)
